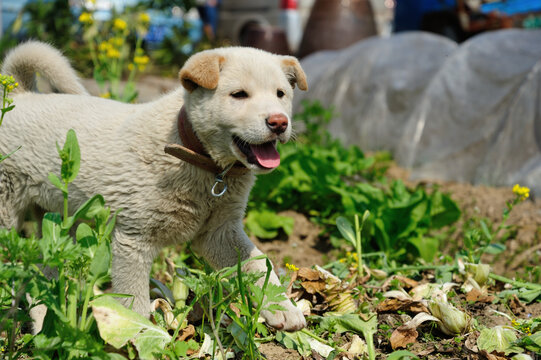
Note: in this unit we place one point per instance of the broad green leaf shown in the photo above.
(296, 341)
(497, 338)
(57, 182)
(50, 227)
(427, 247)
(495, 249)
(533, 342)
(118, 325)
(350, 323)
(85, 237)
(402, 355)
(444, 211)
(102, 260)
(90, 208)
(345, 228)
(266, 224)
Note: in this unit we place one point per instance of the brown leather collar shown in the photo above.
(193, 151)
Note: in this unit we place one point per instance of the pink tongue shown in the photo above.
(266, 155)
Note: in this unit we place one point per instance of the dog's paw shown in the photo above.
(291, 319)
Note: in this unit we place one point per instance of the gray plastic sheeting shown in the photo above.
(467, 113)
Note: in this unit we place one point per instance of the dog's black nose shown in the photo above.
(277, 123)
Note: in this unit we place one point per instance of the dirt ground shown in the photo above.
(304, 247)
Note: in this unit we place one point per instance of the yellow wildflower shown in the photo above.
(104, 46)
(130, 67)
(521, 191)
(113, 53)
(144, 18)
(141, 61)
(292, 267)
(106, 95)
(86, 18)
(117, 41)
(119, 24)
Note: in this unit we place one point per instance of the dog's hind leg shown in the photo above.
(12, 205)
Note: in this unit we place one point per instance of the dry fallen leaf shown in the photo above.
(186, 334)
(478, 296)
(401, 305)
(313, 287)
(492, 356)
(308, 274)
(403, 336)
(407, 333)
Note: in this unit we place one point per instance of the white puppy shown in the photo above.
(237, 106)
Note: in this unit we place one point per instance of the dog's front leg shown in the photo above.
(132, 260)
(222, 247)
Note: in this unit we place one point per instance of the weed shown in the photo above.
(111, 53)
(68, 329)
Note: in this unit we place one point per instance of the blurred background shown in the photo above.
(296, 27)
(449, 87)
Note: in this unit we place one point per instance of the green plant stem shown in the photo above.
(320, 339)
(526, 285)
(420, 267)
(358, 247)
(4, 96)
(62, 289)
(66, 215)
(369, 337)
(73, 297)
(88, 293)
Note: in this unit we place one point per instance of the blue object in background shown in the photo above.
(409, 13)
(512, 7)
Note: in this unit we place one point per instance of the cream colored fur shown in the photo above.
(164, 200)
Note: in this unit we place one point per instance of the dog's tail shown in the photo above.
(24, 61)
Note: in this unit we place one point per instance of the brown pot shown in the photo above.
(263, 37)
(336, 24)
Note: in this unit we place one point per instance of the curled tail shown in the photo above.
(24, 61)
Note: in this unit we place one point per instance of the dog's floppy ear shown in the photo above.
(294, 72)
(203, 70)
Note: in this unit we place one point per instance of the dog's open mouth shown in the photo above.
(264, 155)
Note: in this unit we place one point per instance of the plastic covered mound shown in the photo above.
(468, 113)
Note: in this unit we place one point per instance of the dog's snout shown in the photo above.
(277, 123)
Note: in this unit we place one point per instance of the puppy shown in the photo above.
(236, 107)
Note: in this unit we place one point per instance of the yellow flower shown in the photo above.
(104, 46)
(130, 67)
(113, 53)
(292, 267)
(521, 191)
(144, 18)
(119, 24)
(117, 41)
(106, 95)
(86, 18)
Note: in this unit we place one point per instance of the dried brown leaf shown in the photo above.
(406, 282)
(313, 287)
(493, 355)
(478, 296)
(186, 334)
(308, 274)
(389, 305)
(403, 336)
(515, 305)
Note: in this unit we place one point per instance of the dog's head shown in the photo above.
(239, 103)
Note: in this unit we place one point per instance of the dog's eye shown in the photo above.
(280, 93)
(240, 94)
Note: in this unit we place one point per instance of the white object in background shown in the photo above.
(290, 21)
